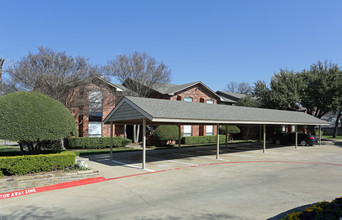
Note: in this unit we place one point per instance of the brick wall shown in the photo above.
(14, 183)
(108, 103)
(198, 93)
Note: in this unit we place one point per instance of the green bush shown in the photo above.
(21, 165)
(232, 129)
(34, 120)
(95, 142)
(165, 133)
(203, 139)
(321, 210)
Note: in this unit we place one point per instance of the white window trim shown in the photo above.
(94, 134)
(187, 134)
(188, 99)
(212, 130)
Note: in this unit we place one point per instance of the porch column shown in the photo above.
(218, 142)
(179, 138)
(264, 143)
(111, 140)
(134, 133)
(144, 144)
(125, 131)
(320, 135)
(226, 135)
(296, 137)
(260, 133)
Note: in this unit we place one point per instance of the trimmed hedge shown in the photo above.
(32, 117)
(203, 139)
(95, 142)
(165, 133)
(21, 165)
(321, 210)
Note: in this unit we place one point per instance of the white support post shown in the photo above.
(144, 145)
(125, 131)
(217, 142)
(134, 133)
(111, 140)
(260, 128)
(320, 135)
(226, 135)
(179, 138)
(296, 139)
(264, 143)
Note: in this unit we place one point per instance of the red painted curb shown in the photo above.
(52, 187)
(102, 179)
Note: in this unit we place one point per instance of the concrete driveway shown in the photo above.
(244, 184)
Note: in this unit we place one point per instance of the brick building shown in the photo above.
(102, 97)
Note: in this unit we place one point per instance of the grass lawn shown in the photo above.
(102, 151)
(7, 148)
(330, 137)
(80, 152)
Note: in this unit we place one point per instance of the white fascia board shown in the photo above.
(192, 121)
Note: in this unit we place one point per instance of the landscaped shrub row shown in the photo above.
(322, 210)
(21, 165)
(203, 139)
(95, 142)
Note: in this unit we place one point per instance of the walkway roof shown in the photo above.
(132, 110)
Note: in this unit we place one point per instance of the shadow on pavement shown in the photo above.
(135, 157)
(37, 213)
(207, 216)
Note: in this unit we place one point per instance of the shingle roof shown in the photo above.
(230, 95)
(171, 89)
(168, 111)
(115, 85)
(167, 89)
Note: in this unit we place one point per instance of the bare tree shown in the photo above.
(140, 74)
(62, 77)
(242, 88)
(1, 64)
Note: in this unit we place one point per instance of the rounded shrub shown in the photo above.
(34, 120)
(165, 134)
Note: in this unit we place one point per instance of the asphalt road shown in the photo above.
(245, 184)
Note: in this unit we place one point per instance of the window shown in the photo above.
(95, 101)
(209, 130)
(95, 114)
(95, 129)
(283, 128)
(293, 128)
(187, 99)
(187, 130)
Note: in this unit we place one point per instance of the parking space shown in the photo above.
(194, 185)
(198, 156)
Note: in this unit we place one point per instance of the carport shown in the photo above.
(148, 111)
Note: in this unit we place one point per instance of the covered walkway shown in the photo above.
(147, 111)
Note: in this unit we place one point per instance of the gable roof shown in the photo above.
(230, 96)
(118, 87)
(161, 111)
(172, 89)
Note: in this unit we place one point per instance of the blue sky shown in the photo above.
(211, 41)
